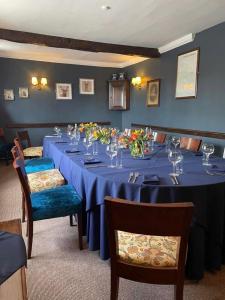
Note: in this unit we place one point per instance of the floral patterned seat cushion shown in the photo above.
(43, 180)
(33, 151)
(147, 250)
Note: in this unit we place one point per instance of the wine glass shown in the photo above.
(111, 151)
(76, 138)
(175, 141)
(207, 149)
(57, 131)
(70, 136)
(87, 144)
(175, 157)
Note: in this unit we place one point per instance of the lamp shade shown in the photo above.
(34, 81)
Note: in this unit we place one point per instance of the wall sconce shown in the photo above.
(39, 84)
(136, 81)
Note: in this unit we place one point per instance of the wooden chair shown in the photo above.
(190, 143)
(5, 148)
(160, 137)
(139, 225)
(51, 203)
(15, 287)
(28, 150)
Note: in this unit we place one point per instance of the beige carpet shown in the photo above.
(59, 271)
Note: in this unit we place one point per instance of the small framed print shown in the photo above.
(86, 86)
(8, 95)
(153, 92)
(63, 91)
(23, 93)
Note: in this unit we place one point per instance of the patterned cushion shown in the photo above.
(53, 203)
(38, 164)
(33, 151)
(147, 250)
(44, 180)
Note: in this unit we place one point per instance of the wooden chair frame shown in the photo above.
(24, 136)
(160, 137)
(171, 219)
(28, 208)
(189, 143)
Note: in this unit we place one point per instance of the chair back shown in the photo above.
(2, 135)
(167, 219)
(190, 143)
(15, 152)
(19, 147)
(24, 138)
(160, 137)
(18, 165)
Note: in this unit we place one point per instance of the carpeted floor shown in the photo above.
(59, 271)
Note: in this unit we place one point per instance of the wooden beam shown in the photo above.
(195, 132)
(68, 43)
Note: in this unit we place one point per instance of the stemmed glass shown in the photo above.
(175, 141)
(111, 151)
(207, 149)
(175, 157)
(76, 138)
(57, 131)
(70, 136)
(87, 144)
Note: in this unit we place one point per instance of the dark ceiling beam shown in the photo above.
(68, 43)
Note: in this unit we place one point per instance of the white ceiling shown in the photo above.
(147, 23)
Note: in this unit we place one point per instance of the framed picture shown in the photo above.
(153, 92)
(63, 91)
(8, 95)
(23, 93)
(187, 74)
(87, 86)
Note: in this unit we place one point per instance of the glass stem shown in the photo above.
(174, 168)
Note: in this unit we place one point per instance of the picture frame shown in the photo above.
(86, 86)
(23, 93)
(187, 74)
(63, 91)
(153, 93)
(9, 95)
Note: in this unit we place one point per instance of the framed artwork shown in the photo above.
(23, 93)
(187, 74)
(8, 95)
(63, 91)
(86, 86)
(153, 92)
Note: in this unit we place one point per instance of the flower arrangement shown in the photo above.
(137, 141)
(87, 127)
(104, 134)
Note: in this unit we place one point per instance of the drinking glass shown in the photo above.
(57, 131)
(70, 136)
(207, 150)
(175, 157)
(76, 138)
(95, 147)
(175, 141)
(179, 166)
(111, 151)
(87, 144)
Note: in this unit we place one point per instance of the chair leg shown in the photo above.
(80, 230)
(23, 207)
(30, 238)
(178, 291)
(114, 286)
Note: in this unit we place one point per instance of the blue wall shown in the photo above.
(42, 106)
(207, 111)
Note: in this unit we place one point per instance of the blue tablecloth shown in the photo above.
(205, 191)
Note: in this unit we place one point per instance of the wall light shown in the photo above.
(136, 81)
(39, 83)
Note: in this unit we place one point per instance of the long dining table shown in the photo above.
(206, 248)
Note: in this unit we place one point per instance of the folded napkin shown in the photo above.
(218, 168)
(50, 136)
(72, 151)
(199, 153)
(151, 179)
(143, 158)
(91, 161)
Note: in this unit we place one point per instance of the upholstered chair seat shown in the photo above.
(33, 152)
(44, 180)
(53, 203)
(38, 164)
(148, 250)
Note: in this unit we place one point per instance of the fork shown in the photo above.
(131, 175)
(136, 174)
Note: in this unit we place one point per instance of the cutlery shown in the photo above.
(136, 174)
(131, 175)
(95, 166)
